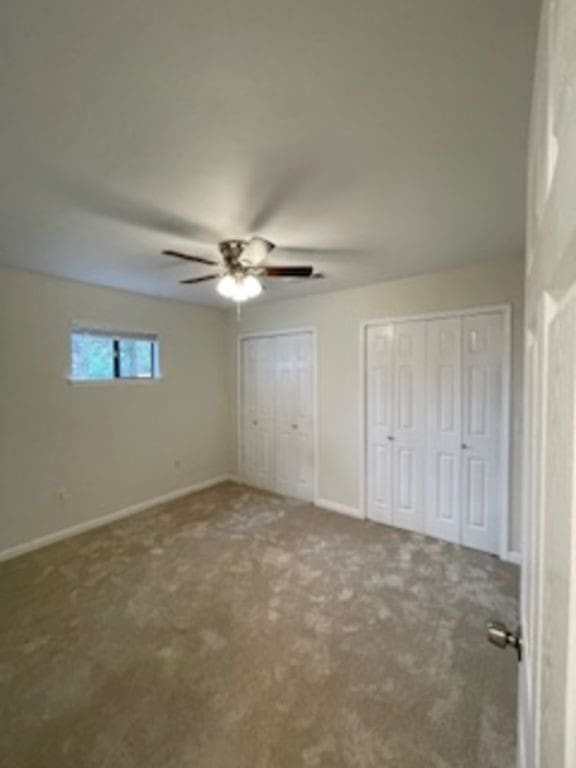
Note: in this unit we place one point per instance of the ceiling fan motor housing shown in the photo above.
(232, 251)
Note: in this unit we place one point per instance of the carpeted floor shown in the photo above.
(237, 629)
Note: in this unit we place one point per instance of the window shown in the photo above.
(104, 355)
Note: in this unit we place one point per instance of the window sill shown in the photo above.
(108, 382)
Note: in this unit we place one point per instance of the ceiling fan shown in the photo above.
(242, 267)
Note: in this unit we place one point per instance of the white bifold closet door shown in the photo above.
(444, 430)
(434, 419)
(396, 423)
(258, 412)
(482, 420)
(277, 444)
(409, 422)
(379, 421)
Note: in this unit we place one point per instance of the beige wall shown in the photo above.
(337, 318)
(70, 453)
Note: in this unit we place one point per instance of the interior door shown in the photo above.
(294, 415)
(258, 396)
(380, 423)
(444, 425)
(548, 722)
(409, 417)
(482, 460)
(530, 592)
(556, 744)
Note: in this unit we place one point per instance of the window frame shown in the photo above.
(117, 336)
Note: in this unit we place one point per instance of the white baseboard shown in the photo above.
(513, 557)
(342, 509)
(88, 525)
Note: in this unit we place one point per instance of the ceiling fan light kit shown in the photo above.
(239, 287)
(239, 278)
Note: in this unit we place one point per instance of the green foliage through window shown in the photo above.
(101, 356)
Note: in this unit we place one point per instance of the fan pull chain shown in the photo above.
(238, 311)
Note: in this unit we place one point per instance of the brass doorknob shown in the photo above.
(500, 636)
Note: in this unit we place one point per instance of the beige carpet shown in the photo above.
(237, 629)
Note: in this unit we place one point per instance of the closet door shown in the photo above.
(380, 423)
(482, 363)
(294, 415)
(409, 416)
(444, 420)
(258, 397)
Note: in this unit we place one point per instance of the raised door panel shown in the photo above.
(444, 419)
(407, 496)
(285, 463)
(303, 477)
(379, 421)
(380, 482)
(482, 365)
(265, 458)
(409, 422)
(249, 454)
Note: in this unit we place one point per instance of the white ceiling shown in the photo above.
(393, 128)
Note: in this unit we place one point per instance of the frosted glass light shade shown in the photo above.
(252, 286)
(226, 286)
(256, 251)
(239, 288)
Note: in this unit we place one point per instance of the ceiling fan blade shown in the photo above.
(199, 279)
(273, 187)
(256, 251)
(104, 202)
(199, 259)
(288, 271)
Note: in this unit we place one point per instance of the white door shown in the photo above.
(444, 426)
(294, 415)
(409, 421)
(380, 427)
(548, 721)
(482, 424)
(530, 588)
(258, 396)
(557, 481)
